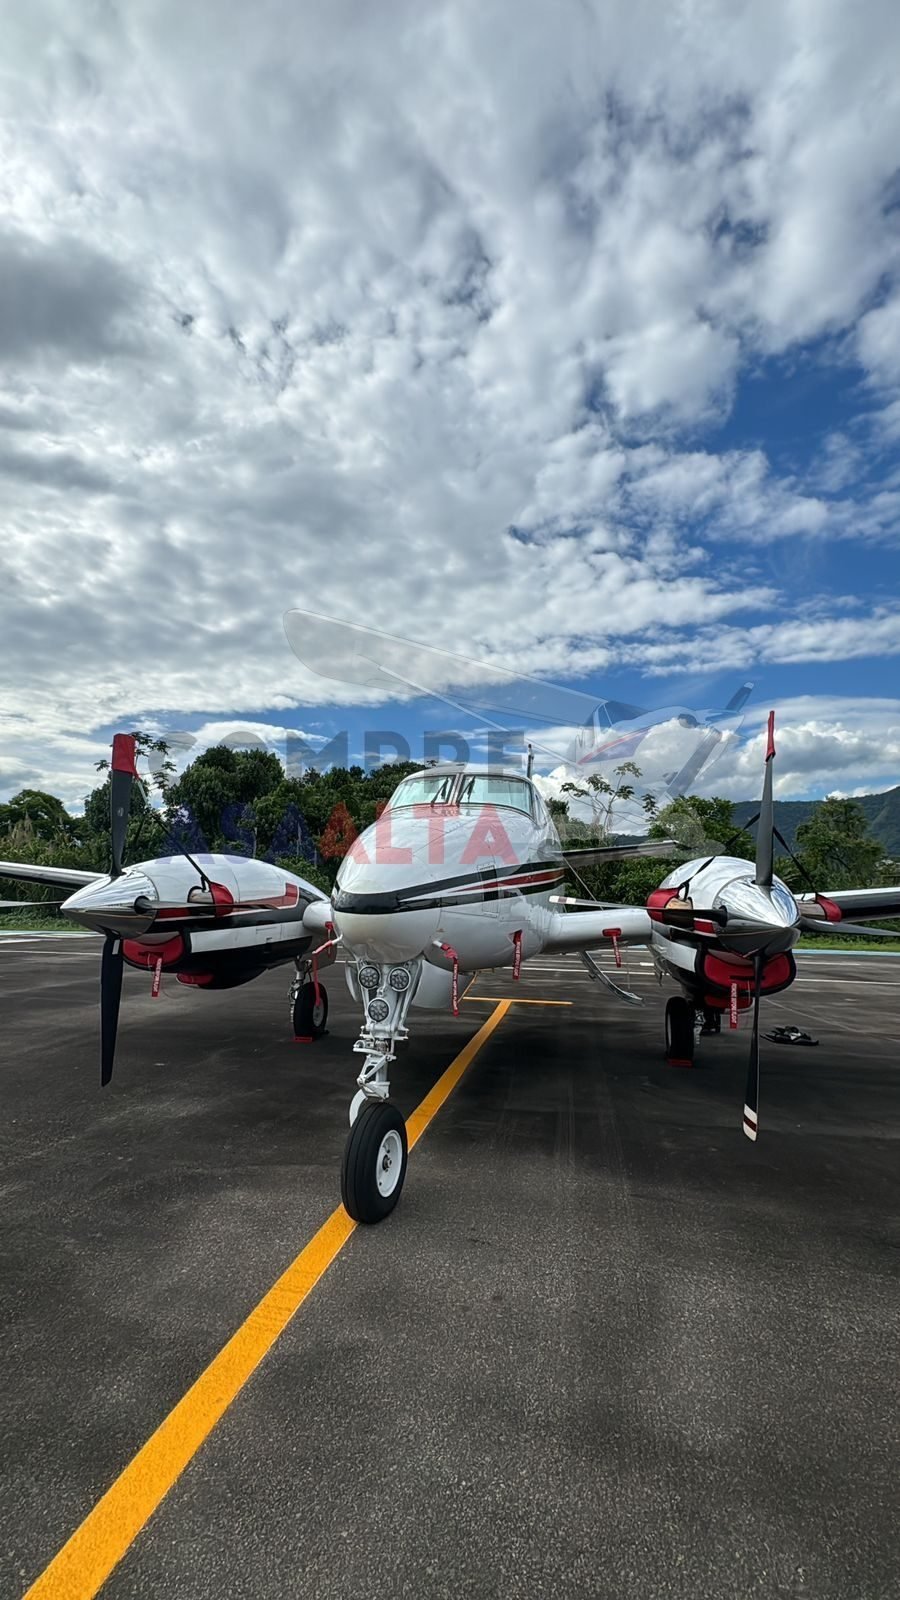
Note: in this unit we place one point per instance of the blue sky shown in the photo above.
(566, 338)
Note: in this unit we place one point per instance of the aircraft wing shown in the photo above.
(595, 855)
(850, 905)
(590, 930)
(56, 877)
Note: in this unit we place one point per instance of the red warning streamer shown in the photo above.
(615, 935)
(157, 979)
(517, 952)
(454, 985)
(320, 950)
(733, 1014)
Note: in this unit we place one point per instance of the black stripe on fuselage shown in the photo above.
(495, 883)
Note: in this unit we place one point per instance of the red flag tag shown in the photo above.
(517, 953)
(157, 980)
(454, 982)
(733, 1019)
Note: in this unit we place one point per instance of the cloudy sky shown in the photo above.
(563, 335)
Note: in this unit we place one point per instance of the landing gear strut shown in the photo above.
(374, 1164)
(679, 1031)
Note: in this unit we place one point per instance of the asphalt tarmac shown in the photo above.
(604, 1347)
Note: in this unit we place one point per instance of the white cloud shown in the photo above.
(309, 308)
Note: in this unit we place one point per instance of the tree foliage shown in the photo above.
(243, 802)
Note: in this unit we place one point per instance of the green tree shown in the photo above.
(836, 849)
(32, 813)
(697, 823)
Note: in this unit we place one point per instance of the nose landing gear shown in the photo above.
(374, 1164)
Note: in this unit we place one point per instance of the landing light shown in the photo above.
(369, 977)
(378, 1010)
(399, 979)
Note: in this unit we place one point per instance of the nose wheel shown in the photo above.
(374, 1164)
(679, 1031)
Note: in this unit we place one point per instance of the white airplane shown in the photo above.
(572, 727)
(461, 873)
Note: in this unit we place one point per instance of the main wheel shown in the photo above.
(374, 1163)
(310, 1015)
(679, 1031)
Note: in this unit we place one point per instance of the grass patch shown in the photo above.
(34, 921)
(825, 941)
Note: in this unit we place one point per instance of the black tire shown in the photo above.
(365, 1158)
(679, 1031)
(309, 1019)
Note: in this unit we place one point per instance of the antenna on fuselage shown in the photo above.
(530, 767)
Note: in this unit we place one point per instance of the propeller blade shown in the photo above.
(814, 925)
(122, 775)
(20, 905)
(111, 967)
(751, 1093)
(688, 916)
(765, 828)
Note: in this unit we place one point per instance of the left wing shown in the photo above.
(595, 855)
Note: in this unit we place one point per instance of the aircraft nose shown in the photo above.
(387, 898)
(126, 905)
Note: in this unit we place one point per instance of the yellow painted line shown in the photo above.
(98, 1545)
(418, 1122)
(491, 999)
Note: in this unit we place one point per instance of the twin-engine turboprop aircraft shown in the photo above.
(462, 872)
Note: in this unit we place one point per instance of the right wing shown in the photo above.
(848, 905)
(56, 877)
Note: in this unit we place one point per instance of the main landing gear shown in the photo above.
(679, 1031)
(680, 1022)
(309, 1008)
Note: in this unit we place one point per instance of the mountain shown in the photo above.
(882, 812)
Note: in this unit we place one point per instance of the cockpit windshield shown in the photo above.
(424, 789)
(463, 789)
(485, 788)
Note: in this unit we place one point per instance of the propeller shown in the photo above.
(112, 963)
(765, 828)
(121, 780)
(687, 917)
(751, 1093)
(765, 867)
(842, 929)
(19, 905)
